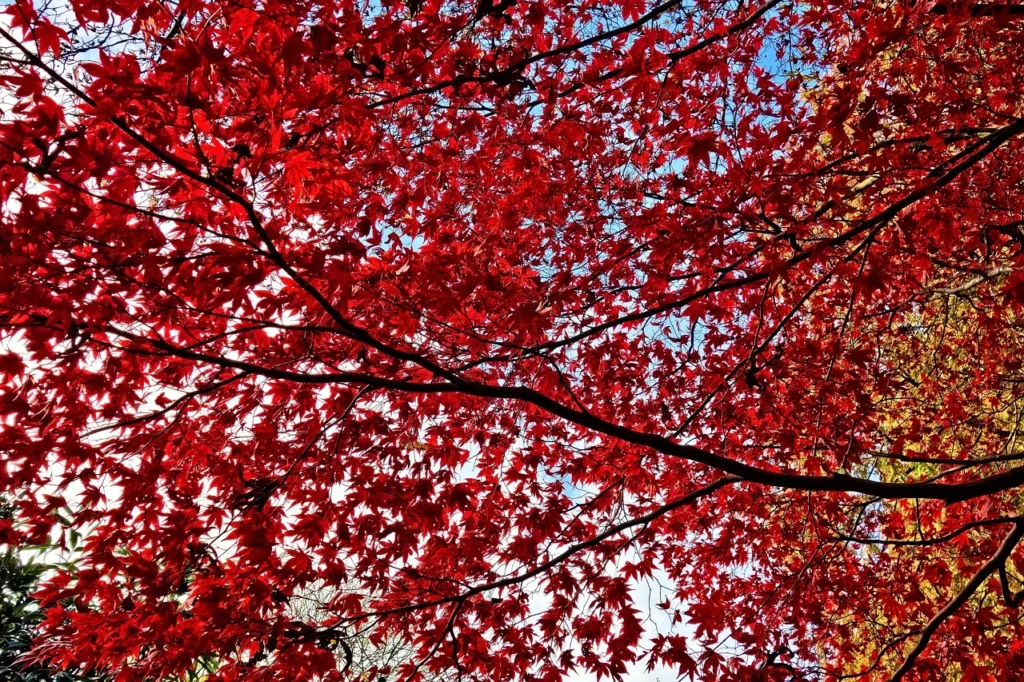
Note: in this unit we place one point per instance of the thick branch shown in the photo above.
(947, 492)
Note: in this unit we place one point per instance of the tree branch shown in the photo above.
(960, 599)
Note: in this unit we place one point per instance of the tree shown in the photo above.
(935, 357)
(936, 351)
(18, 615)
(325, 295)
(20, 618)
(378, 662)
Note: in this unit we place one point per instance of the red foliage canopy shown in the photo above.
(476, 316)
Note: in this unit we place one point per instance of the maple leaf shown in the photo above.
(11, 364)
(700, 148)
(677, 655)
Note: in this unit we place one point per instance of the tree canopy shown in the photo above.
(473, 318)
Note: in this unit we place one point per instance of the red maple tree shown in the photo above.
(474, 316)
